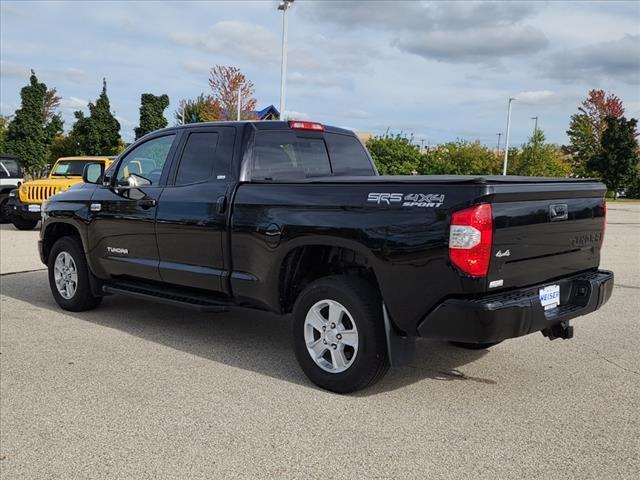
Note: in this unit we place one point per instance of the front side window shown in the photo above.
(198, 159)
(70, 168)
(146, 160)
(284, 155)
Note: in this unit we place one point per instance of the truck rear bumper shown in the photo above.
(518, 312)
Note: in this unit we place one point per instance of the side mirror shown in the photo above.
(92, 173)
(138, 181)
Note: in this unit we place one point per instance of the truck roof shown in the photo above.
(87, 157)
(258, 125)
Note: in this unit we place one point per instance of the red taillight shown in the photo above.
(470, 239)
(297, 125)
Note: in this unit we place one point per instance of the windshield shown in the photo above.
(71, 168)
(9, 168)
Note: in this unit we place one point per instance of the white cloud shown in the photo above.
(251, 41)
(538, 97)
(74, 74)
(357, 114)
(196, 66)
(613, 60)
(293, 115)
(474, 45)
(13, 70)
(73, 103)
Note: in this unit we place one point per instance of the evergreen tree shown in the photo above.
(151, 113)
(617, 161)
(99, 133)
(34, 125)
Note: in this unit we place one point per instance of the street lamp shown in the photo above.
(284, 5)
(535, 136)
(506, 141)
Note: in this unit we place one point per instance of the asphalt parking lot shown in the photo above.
(139, 390)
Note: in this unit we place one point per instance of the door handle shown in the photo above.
(147, 202)
(273, 234)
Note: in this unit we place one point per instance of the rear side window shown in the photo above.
(198, 158)
(284, 155)
(9, 168)
(348, 156)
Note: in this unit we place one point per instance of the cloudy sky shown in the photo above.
(438, 70)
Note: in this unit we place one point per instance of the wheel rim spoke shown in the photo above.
(318, 348)
(338, 359)
(350, 337)
(316, 320)
(335, 313)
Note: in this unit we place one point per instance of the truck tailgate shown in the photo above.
(541, 235)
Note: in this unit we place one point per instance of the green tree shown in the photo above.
(4, 124)
(99, 133)
(201, 109)
(617, 160)
(540, 159)
(34, 125)
(460, 158)
(152, 109)
(394, 154)
(63, 146)
(587, 127)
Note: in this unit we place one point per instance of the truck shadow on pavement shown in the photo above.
(247, 339)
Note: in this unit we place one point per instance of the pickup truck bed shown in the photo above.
(365, 263)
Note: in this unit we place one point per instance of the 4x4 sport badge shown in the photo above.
(424, 200)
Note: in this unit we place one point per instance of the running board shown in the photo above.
(197, 302)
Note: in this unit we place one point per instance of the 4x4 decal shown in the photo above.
(424, 200)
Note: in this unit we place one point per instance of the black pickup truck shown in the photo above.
(292, 217)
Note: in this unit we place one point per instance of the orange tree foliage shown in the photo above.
(225, 83)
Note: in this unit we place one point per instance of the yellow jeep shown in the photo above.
(66, 172)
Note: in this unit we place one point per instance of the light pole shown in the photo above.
(499, 134)
(284, 5)
(535, 136)
(239, 101)
(506, 140)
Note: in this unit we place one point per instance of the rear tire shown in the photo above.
(69, 276)
(475, 346)
(346, 313)
(23, 224)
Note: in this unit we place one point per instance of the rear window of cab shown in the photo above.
(288, 155)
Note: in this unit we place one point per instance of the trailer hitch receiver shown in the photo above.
(559, 330)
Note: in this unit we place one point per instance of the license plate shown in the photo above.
(34, 208)
(550, 296)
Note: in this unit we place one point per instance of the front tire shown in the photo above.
(338, 333)
(23, 224)
(69, 276)
(5, 213)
